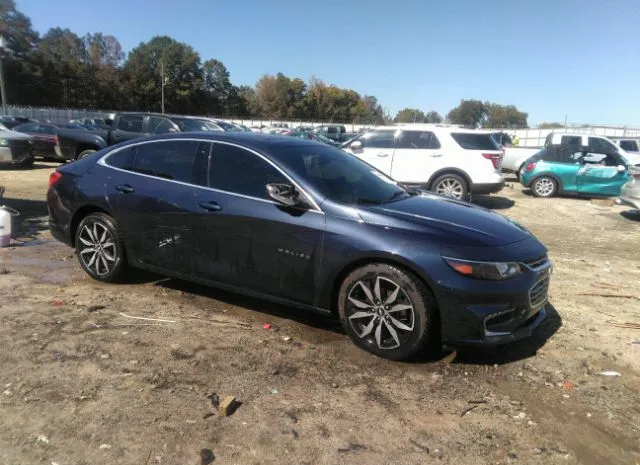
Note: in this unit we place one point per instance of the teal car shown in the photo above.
(575, 170)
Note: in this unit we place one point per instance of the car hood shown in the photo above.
(447, 221)
(12, 135)
(632, 157)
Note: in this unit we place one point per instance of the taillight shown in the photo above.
(54, 178)
(494, 157)
(56, 140)
(530, 167)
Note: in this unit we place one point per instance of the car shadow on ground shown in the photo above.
(493, 202)
(260, 306)
(633, 215)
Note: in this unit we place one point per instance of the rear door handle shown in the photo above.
(125, 188)
(210, 206)
(435, 155)
(382, 155)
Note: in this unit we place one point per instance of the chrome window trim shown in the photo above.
(103, 162)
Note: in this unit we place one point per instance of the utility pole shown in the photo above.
(2, 86)
(162, 82)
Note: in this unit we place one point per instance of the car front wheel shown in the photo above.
(99, 247)
(386, 310)
(544, 186)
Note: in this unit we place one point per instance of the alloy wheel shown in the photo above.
(450, 187)
(380, 312)
(544, 187)
(97, 248)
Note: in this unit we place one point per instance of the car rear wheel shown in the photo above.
(386, 310)
(99, 247)
(85, 153)
(544, 186)
(451, 185)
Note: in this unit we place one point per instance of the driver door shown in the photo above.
(600, 175)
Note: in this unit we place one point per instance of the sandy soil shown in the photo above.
(82, 382)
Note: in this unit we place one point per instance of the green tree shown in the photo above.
(504, 116)
(105, 56)
(469, 113)
(409, 115)
(433, 117)
(550, 125)
(220, 94)
(177, 62)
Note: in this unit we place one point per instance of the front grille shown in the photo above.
(539, 293)
(537, 262)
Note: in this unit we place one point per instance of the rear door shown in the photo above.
(417, 156)
(246, 239)
(154, 191)
(127, 127)
(377, 149)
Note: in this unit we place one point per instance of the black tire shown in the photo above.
(27, 162)
(451, 185)
(85, 153)
(544, 186)
(363, 331)
(106, 262)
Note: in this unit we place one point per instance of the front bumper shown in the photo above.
(630, 196)
(495, 312)
(16, 154)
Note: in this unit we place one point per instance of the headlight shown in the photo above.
(4, 143)
(484, 270)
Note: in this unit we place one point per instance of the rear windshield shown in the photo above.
(471, 141)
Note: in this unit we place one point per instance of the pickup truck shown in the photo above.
(74, 144)
(335, 132)
(514, 157)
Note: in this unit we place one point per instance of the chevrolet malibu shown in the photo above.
(307, 225)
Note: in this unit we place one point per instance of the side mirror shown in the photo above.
(173, 130)
(286, 194)
(621, 168)
(356, 145)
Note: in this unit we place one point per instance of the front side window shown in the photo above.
(130, 123)
(418, 140)
(29, 127)
(600, 145)
(379, 139)
(238, 171)
(337, 175)
(475, 141)
(171, 159)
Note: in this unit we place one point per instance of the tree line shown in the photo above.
(62, 69)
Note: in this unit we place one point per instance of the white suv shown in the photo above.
(448, 160)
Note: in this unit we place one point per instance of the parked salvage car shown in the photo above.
(304, 224)
(44, 138)
(450, 161)
(15, 149)
(575, 170)
(126, 126)
(630, 191)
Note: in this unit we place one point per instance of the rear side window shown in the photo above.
(130, 123)
(471, 141)
(173, 159)
(379, 139)
(418, 140)
(123, 158)
(157, 125)
(238, 171)
(48, 129)
(629, 145)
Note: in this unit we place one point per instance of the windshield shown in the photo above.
(339, 176)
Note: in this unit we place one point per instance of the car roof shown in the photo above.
(253, 140)
(442, 128)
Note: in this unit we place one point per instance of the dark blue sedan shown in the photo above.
(306, 224)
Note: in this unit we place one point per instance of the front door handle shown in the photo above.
(210, 206)
(382, 155)
(125, 188)
(435, 155)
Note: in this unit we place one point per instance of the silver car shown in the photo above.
(630, 192)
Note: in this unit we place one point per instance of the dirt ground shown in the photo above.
(84, 382)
